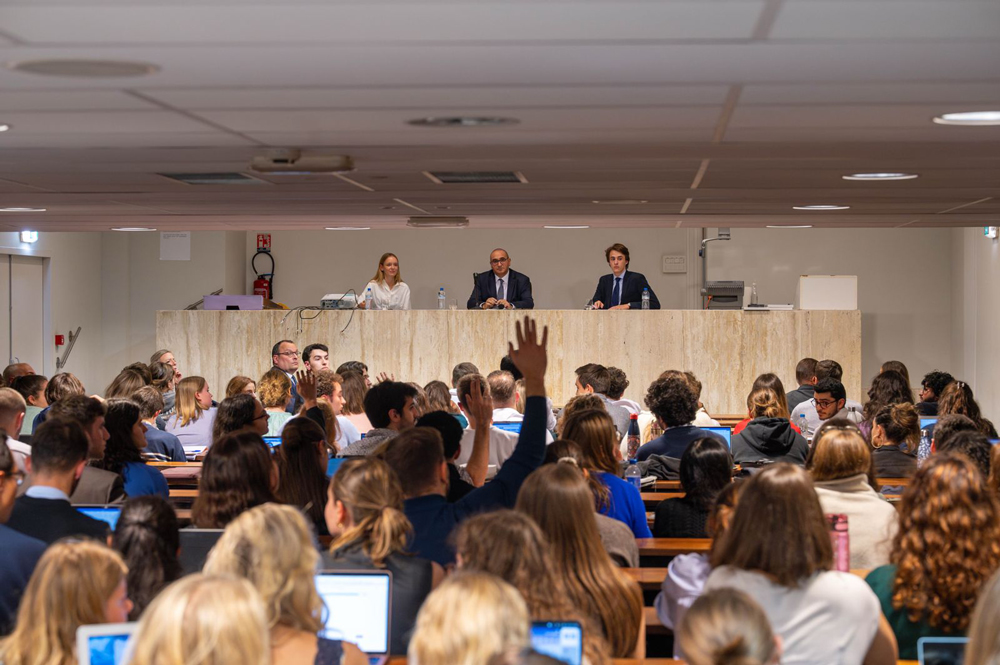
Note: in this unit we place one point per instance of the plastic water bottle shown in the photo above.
(645, 298)
(803, 425)
(753, 294)
(633, 476)
(369, 300)
(633, 436)
(441, 304)
(924, 449)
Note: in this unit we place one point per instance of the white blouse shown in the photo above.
(385, 298)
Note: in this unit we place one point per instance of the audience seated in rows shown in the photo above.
(96, 486)
(675, 405)
(777, 549)
(511, 546)
(364, 513)
(706, 469)
(769, 435)
(559, 500)
(123, 450)
(76, 583)
(148, 540)
(160, 446)
(18, 553)
(946, 548)
(895, 436)
(32, 388)
(829, 373)
(805, 377)
(238, 474)
(272, 547)
(194, 414)
(391, 409)
(931, 387)
(840, 465)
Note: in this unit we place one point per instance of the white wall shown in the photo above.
(904, 284)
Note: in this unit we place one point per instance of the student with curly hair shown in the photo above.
(947, 547)
(888, 388)
(675, 405)
(957, 398)
(932, 385)
(275, 392)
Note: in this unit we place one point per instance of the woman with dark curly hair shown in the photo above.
(947, 546)
(675, 406)
(957, 398)
(888, 388)
(237, 475)
(121, 453)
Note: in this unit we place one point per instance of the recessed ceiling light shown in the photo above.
(4, 128)
(29, 236)
(567, 227)
(881, 176)
(821, 207)
(463, 121)
(132, 228)
(621, 202)
(970, 118)
(84, 68)
(789, 226)
(22, 209)
(348, 228)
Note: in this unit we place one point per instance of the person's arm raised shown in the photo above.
(481, 409)
(305, 382)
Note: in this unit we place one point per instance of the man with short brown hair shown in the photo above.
(622, 289)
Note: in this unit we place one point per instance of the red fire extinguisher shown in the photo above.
(262, 286)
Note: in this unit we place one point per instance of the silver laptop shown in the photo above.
(358, 609)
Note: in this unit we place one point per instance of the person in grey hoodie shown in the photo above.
(769, 436)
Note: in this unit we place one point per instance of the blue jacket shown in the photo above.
(164, 444)
(143, 480)
(674, 442)
(518, 290)
(433, 518)
(18, 555)
(632, 285)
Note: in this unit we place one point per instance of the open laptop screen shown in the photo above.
(941, 650)
(272, 441)
(927, 422)
(724, 432)
(109, 514)
(562, 640)
(104, 644)
(357, 608)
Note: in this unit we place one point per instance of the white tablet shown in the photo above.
(104, 644)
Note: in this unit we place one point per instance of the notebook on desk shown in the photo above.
(358, 609)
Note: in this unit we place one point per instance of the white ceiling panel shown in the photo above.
(356, 23)
(887, 20)
(76, 100)
(884, 92)
(489, 98)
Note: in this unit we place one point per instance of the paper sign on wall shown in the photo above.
(175, 246)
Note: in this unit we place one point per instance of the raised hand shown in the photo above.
(480, 406)
(305, 384)
(382, 377)
(531, 356)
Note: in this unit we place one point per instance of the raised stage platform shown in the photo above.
(725, 350)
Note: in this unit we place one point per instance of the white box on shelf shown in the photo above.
(827, 292)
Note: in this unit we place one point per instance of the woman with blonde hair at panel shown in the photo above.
(387, 286)
(204, 620)
(76, 583)
(470, 618)
(726, 627)
(272, 547)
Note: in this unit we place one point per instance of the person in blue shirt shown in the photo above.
(417, 457)
(18, 553)
(594, 431)
(161, 446)
(122, 452)
(675, 405)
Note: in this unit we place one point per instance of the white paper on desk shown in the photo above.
(175, 246)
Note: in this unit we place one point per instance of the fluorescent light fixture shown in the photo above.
(463, 121)
(132, 228)
(348, 228)
(621, 202)
(969, 118)
(789, 226)
(22, 209)
(4, 127)
(29, 236)
(821, 207)
(881, 176)
(567, 226)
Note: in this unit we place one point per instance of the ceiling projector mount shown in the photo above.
(293, 161)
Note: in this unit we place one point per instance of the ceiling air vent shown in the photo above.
(475, 177)
(432, 222)
(214, 179)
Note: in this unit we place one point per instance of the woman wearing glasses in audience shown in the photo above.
(272, 547)
(387, 286)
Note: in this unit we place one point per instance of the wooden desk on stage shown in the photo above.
(727, 350)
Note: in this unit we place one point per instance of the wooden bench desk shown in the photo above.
(672, 546)
(653, 499)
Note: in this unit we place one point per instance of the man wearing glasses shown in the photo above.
(285, 357)
(501, 288)
(829, 401)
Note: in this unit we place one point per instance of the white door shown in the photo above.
(22, 308)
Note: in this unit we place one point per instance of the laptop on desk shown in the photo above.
(358, 609)
(195, 546)
(104, 644)
(724, 432)
(104, 513)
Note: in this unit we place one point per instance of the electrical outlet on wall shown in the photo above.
(674, 263)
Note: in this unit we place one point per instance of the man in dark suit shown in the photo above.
(18, 552)
(285, 358)
(622, 289)
(96, 486)
(59, 451)
(501, 288)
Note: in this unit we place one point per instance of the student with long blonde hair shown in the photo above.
(470, 618)
(387, 286)
(272, 547)
(194, 414)
(511, 546)
(204, 620)
(557, 497)
(364, 513)
(75, 584)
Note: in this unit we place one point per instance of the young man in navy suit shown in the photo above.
(501, 288)
(622, 289)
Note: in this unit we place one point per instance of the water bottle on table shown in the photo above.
(924, 449)
(369, 300)
(633, 476)
(645, 298)
(441, 301)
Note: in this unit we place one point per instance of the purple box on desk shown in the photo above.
(234, 302)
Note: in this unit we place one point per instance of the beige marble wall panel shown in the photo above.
(726, 350)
